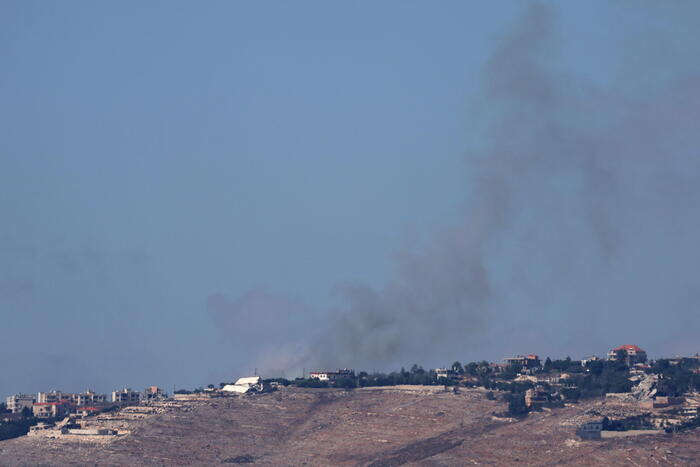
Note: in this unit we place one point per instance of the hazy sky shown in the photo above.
(194, 189)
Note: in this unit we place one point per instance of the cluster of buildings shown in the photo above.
(56, 404)
(550, 385)
(634, 419)
(546, 386)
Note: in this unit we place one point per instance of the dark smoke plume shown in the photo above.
(579, 232)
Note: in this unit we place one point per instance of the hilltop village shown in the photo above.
(636, 396)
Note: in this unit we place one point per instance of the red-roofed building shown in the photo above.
(633, 354)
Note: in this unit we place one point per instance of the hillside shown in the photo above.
(362, 427)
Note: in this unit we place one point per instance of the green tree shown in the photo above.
(310, 383)
(472, 368)
(548, 365)
(457, 368)
(347, 383)
(484, 368)
(511, 371)
(621, 356)
(15, 429)
(516, 404)
(595, 366)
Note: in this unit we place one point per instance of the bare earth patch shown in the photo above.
(362, 427)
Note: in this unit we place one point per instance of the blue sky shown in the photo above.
(154, 154)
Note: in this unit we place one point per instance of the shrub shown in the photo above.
(516, 404)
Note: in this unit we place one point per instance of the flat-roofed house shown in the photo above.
(527, 361)
(89, 397)
(126, 396)
(52, 396)
(17, 402)
(50, 409)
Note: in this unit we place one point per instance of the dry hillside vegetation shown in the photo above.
(379, 427)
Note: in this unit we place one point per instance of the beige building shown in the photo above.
(126, 396)
(88, 397)
(527, 361)
(17, 402)
(153, 392)
(536, 397)
(50, 409)
(52, 396)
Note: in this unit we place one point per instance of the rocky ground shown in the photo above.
(361, 427)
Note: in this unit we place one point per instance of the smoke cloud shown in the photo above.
(579, 232)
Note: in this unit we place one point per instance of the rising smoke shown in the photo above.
(579, 231)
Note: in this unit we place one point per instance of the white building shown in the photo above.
(17, 402)
(325, 375)
(244, 385)
(88, 397)
(592, 358)
(444, 373)
(53, 396)
(126, 396)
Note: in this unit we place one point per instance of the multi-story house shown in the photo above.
(126, 396)
(16, 403)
